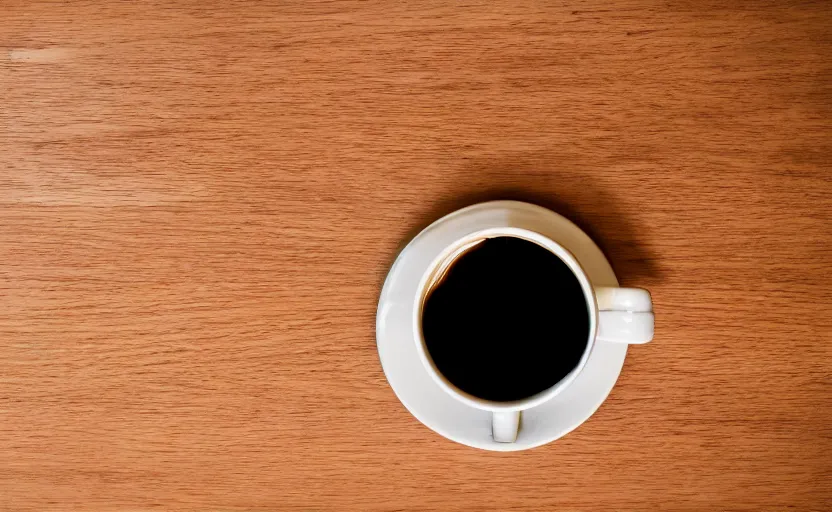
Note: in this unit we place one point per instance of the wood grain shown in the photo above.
(199, 202)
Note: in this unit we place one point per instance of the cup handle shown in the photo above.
(625, 315)
(504, 426)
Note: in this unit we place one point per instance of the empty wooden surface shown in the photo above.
(199, 202)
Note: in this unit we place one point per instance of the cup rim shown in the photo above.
(419, 301)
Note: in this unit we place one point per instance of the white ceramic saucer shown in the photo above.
(418, 391)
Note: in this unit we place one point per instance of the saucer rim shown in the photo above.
(565, 224)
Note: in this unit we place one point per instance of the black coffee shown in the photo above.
(507, 321)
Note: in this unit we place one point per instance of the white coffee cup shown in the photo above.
(617, 315)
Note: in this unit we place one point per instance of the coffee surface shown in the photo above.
(508, 320)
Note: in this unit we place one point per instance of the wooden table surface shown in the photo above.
(199, 202)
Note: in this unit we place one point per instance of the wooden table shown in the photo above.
(199, 202)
